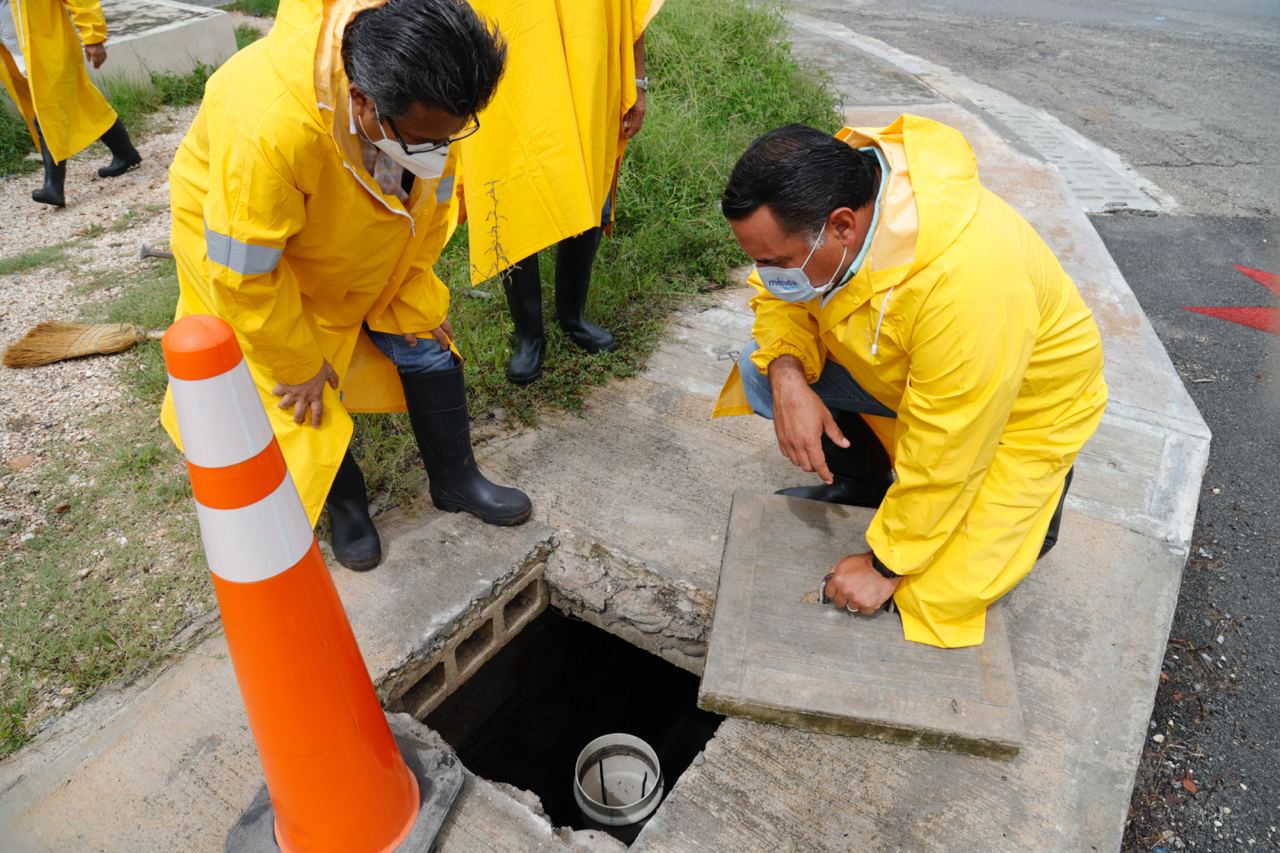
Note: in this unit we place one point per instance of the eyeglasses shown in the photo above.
(426, 147)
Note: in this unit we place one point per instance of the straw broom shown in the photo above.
(51, 342)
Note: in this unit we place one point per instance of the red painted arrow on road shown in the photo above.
(1259, 317)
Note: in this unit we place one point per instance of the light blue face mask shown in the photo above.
(791, 284)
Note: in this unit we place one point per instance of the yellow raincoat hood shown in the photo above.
(963, 323)
(57, 90)
(279, 229)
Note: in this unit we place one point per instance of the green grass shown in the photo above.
(86, 600)
(246, 35)
(722, 74)
(45, 256)
(257, 8)
(15, 144)
(134, 101)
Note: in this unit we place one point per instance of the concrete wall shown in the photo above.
(148, 36)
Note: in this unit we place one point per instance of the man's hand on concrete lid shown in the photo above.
(856, 585)
(308, 395)
(800, 418)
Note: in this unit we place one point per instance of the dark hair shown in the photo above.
(801, 174)
(438, 53)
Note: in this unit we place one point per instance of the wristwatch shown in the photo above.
(642, 83)
(885, 571)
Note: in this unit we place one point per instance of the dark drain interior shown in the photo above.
(525, 715)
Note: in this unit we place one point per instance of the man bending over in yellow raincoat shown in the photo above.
(909, 321)
(41, 68)
(310, 198)
(541, 171)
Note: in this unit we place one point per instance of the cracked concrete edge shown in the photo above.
(621, 595)
(991, 103)
(416, 661)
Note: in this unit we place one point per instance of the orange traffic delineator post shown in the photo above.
(335, 775)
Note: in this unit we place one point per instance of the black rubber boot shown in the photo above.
(437, 405)
(862, 473)
(523, 285)
(574, 259)
(1051, 535)
(353, 536)
(123, 155)
(55, 177)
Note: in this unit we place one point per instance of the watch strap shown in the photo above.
(884, 571)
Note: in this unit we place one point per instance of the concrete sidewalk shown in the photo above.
(633, 545)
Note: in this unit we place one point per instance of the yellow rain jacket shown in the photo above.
(550, 142)
(987, 354)
(279, 229)
(57, 90)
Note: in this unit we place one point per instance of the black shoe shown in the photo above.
(862, 473)
(123, 155)
(353, 536)
(524, 297)
(55, 177)
(437, 405)
(849, 492)
(574, 259)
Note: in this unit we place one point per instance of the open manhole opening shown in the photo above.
(525, 716)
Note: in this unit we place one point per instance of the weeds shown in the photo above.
(111, 570)
(15, 144)
(257, 8)
(45, 256)
(246, 34)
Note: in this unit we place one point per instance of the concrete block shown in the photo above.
(778, 655)
(148, 36)
(431, 761)
(1086, 630)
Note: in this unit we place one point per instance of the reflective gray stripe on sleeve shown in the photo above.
(444, 189)
(244, 258)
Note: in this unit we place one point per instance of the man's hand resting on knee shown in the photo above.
(800, 418)
(307, 396)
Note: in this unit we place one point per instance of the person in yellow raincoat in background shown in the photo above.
(542, 170)
(909, 322)
(310, 198)
(42, 70)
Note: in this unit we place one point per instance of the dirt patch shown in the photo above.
(100, 565)
(91, 201)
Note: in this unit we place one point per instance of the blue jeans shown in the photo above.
(426, 357)
(835, 387)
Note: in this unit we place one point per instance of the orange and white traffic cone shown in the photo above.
(336, 778)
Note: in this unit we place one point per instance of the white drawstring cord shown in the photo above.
(875, 343)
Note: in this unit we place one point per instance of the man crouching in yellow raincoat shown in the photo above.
(310, 199)
(909, 321)
(41, 68)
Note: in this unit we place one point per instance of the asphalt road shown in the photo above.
(1186, 92)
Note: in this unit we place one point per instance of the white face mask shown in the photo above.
(423, 164)
(791, 284)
